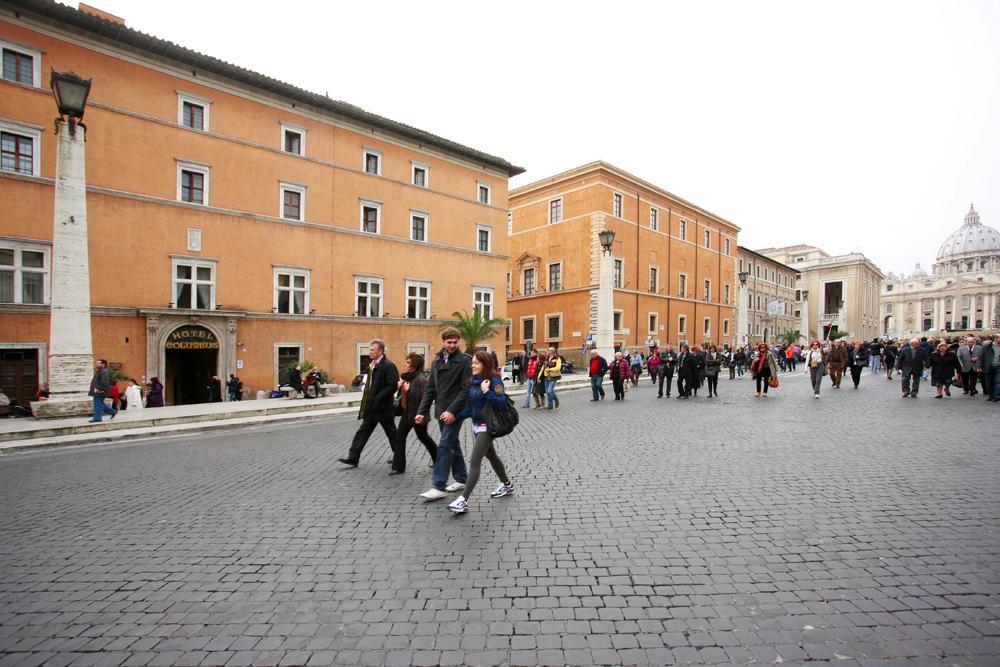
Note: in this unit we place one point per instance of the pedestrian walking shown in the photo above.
(890, 352)
(858, 361)
(838, 359)
(698, 360)
(875, 355)
(911, 363)
(376, 402)
(989, 368)
(539, 391)
(447, 391)
(740, 359)
(653, 364)
(763, 368)
(668, 363)
(968, 359)
(713, 364)
(636, 365)
(234, 387)
(815, 362)
(486, 387)
(598, 367)
(154, 395)
(517, 368)
(100, 389)
(687, 370)
(410, 390)
(530, 371)
(943, 364)
(620, 373)
(553, 372)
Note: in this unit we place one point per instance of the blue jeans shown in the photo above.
(449, 457)
(996, 382)
(595, 386)
(550, 392)
(876, 363)
(101, 408)
(531, 389)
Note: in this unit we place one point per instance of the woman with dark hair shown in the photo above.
(411, 387)
(154, 397)
(944, 364)
(713, 364)
(763, 367)
(486, 386)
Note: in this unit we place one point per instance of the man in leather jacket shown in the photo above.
(668, 364)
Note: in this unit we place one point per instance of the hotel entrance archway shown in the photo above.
(191, 355)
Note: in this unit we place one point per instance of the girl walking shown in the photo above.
(486, 387)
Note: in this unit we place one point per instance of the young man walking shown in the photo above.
(100, 388)
(447, 389)
(376, 402)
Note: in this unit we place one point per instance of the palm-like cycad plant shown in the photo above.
(474, 328)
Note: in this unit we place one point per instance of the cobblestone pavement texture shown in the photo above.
(860, 529)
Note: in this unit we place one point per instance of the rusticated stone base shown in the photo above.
(56, 408)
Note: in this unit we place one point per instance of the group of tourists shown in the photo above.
(541, 370)
(459, 387)
(109, 398)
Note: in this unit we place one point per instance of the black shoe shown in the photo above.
(594, 400)
(396, 472)
(349, 462)
(659, 395)
(907, 395)
(114, 414)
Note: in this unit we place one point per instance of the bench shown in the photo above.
(325, 389)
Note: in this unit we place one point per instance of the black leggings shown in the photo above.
(399, 446)
(483, 446)
(619, 386)
(856, 374)
(763, 378)
(713, 384)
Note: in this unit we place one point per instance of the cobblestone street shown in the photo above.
(860, 529)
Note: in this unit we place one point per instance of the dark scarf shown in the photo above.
(409, 375)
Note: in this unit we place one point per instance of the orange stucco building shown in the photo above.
(674, 275)
(266, 222)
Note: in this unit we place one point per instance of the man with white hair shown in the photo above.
(911, 363)
(968, 361)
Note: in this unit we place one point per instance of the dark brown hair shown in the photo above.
(416, 361)
(486, 359)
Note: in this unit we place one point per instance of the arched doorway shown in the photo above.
(191, 354)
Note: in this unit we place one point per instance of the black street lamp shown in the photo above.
(743, 275)
(71, 91)
(607, 238)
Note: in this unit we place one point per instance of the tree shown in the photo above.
(474, 328)
(834, 335)
(791, 336)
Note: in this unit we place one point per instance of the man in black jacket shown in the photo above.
(376, 402)
(100, 388)
(911, 363)
(448, 390)
(668, 363)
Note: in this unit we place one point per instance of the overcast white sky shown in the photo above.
(864, 125)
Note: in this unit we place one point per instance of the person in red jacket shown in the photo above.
(531, 373)
(598, 367)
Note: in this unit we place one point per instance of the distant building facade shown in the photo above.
(962, 294)
(237, 224)
(674, 263)
(834, 292)
(770, 290)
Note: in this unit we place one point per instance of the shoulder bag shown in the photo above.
(500, 421)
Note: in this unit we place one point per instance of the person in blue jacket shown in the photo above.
(486, 385)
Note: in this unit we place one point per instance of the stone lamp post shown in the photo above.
(742, 317)
(804, 323)
(604, 341)
(71, 356)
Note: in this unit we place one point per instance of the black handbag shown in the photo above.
(500, 421)
(397, 404)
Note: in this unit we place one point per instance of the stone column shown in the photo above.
(604, 336)
(804, 312)
(742, 318)
(71, 355)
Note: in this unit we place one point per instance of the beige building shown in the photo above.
(770, 295)
(962, 293)
(834, 292)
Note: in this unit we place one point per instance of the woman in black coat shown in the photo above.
(410, 389)
(944, 364)
(688, 364)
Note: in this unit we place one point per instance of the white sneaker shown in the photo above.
(503, 490)
(433, 494)
(815, 395)
(454, 486)
(460, 506)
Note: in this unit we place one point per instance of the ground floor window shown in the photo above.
(287, 356)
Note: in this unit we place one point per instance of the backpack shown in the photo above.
(500, 421)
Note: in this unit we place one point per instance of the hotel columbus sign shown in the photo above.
(192, 338)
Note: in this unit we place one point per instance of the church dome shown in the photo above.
(972, 237)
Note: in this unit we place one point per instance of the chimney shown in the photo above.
(101, 14)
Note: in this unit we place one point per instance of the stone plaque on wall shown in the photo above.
(194, 240)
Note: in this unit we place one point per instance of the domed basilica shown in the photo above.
(962, 294)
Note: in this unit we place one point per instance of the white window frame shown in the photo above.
(534, 329)
(682, 279)
(413, 174)
(19, 270)
(364, 161)
(682, 229)
(549, 277)
(406, 298)
(708, 239)
(489, 237)
(195, 264)
(654, 279)
(621, 320)
(551, 339)
(682, 326)
(706, 327)
(414, 213)
(489, 193)
(291, 187)
(423, 349)
(728, 246)
(381, 294)
(370, 203)
(727, 294)
(202, 169)
(204, 103)
(482, 290)
(36, 61)
(654, 219)
(557, 200)
(707, 287)
(654, 319)
(301, 131)
(292, 273)
(617, 204)
(621, 274)
(33, 132)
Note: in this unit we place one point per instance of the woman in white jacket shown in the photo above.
(133, 395)
(815, 361)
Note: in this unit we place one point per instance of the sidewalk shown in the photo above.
(21, 434)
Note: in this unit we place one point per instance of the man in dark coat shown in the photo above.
(215, 390)
(448, 390)
(911, 363)
(668, 363)
(376, 402)
(295, 380)
(100, 388)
